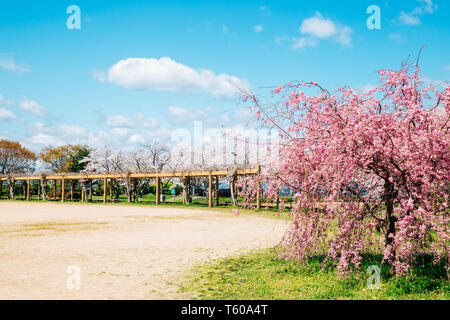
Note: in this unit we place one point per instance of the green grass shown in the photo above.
(260, 275)
(271, 213)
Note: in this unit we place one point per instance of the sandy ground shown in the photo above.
(74, 251)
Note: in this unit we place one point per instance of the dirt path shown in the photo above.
(121, 252)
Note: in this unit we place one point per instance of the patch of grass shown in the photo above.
(42, 229)
(260, 275)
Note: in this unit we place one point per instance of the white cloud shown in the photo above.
(344, 36)
(317, 26)
(412, 18)
(165, 74)
(408, 19)
(139, 121)
(11, 65)
(5, 102)
(32, 106)
(46, 139)
(182, 115)
(6, 114)
(299, 43)
(145, 122)
(39, 126)
(121, 132)
(72, 130)
(118, 121)
(137, 139)
(258, 28)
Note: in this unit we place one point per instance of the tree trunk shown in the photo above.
(117, 190)
(44, 189)
(84, 195)
(186, 182)
(389, 195)
(12, 190)
(128, 190)
(233, 190)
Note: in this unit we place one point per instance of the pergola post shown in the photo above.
(210, 191)
(90, 190)
(71, 189)
(63, 189)
(39, 190)
(1, 188)
(83, 190)
(111, 189)
(258, 196)
(28, 190)
(54, 185)
(158, 191)
(105, 181)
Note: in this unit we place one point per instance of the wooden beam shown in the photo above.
(54, 184)
(258, 196)
(221, 173)
(83, 191)
(71, 189)
(90, 190)
(105, 181)
(63, 189)
(111, 189)
(28, 190)
(158, 191)
(210, 191)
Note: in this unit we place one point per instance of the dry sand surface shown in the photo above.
(122, 252)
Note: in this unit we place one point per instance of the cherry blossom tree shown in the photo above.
(153, 157)
(368, 170)
(223, 149)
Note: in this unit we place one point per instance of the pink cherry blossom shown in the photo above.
(363, 167)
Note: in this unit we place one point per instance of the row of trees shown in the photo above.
(16, 159)
(151, 157)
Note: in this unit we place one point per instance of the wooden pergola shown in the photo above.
(132, 177)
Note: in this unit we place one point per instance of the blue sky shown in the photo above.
(138, 69)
